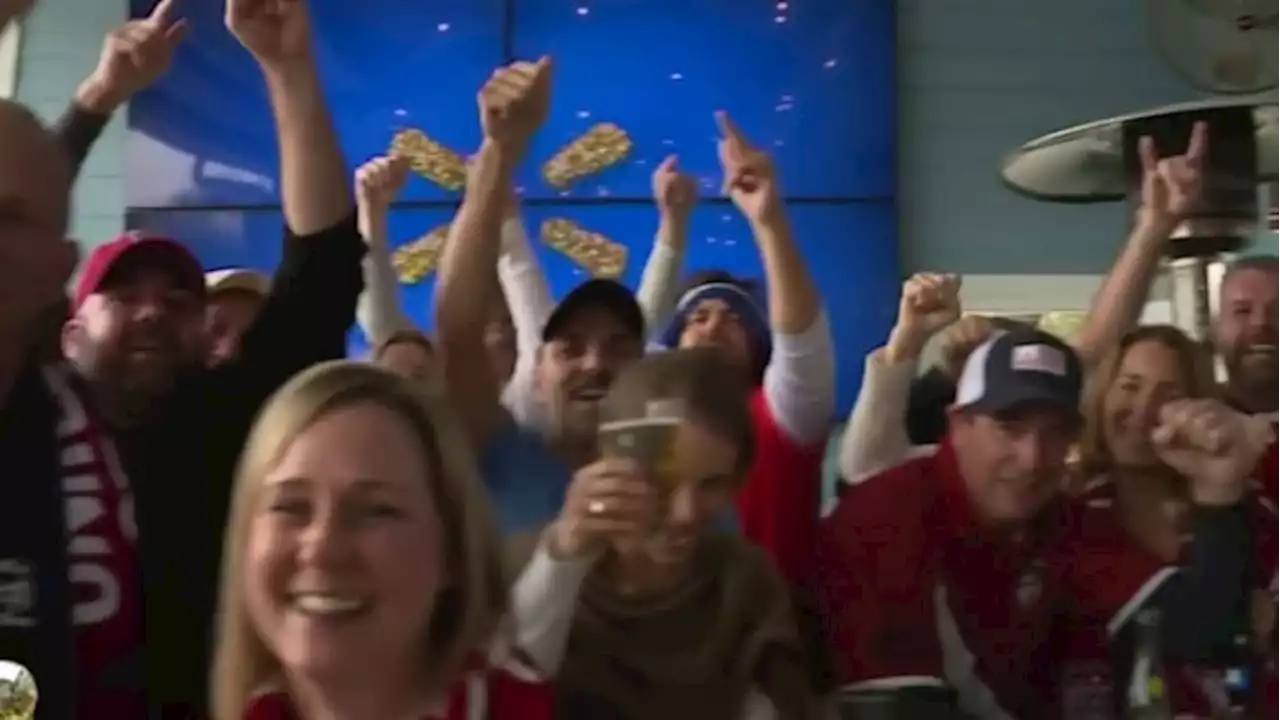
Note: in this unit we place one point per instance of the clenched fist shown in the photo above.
(1212, 445)
(514, 102)
(674, 192)
(275, 32)
(379, 181)
(929, 303)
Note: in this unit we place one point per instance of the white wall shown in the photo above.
(61, 41)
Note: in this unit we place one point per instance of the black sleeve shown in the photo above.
(1205, 606)
(304, 320)
(78, 129)
(927, 404)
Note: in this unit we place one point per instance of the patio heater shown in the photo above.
(1098, 162)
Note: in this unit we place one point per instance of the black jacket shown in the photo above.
(180, 468)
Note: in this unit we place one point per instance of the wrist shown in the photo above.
(772, 220)
(291, 75)
(905, 345)
(561, 543)
(1154, 224)
(673, 228)
(506, 152)
(96, 96)
(1215, 492)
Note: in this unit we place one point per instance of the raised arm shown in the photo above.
(675, 194)
(528, 297)
(799, 383)
(134, 55)
(1170, 189)
(513, 105)
(311, 305)
(875, 438)
(379, 311)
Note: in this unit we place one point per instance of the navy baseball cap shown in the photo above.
(1021, 367)
(608, 295)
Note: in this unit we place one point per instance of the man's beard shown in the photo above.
(1252, 385)
(128, 395)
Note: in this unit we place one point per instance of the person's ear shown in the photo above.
(73, 338)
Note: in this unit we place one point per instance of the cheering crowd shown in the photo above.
(209, 512)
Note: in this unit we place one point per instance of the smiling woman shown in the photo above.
(361, 572)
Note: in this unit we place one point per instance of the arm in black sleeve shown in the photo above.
(78, 129)
(931, 394)
(1205, 606)
(305, 318)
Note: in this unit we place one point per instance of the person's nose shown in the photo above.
(1147, 409)
(322, 543)
(148, 308)
(1260, 323)
(1032, 453)
(714, 324)
(592, 359)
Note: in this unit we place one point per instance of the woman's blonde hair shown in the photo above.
(1193, 374)
(468, 611)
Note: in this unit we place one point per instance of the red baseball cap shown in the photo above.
(159, 252)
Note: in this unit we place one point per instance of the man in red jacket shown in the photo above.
(949, 573)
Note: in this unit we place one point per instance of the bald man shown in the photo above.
(36, 258)
(36, 261)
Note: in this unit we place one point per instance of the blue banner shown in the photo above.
(813, 82)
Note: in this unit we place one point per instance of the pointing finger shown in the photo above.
(668, 164)
(161, 13)
(728, 129)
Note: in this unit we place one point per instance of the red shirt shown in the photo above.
(494, 695)
(105, 583)
(915, 593)
(1087, 671)
(778, 504)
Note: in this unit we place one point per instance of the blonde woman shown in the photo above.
(361, 571)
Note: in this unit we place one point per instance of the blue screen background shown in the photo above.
(813, 82)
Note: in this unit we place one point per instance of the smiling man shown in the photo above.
(1244, 333)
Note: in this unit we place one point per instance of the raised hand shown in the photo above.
(1171, 186)
(1213, 446)
(514, 102)
(275, 32)
(608, 498)
(749, 178)
(673, 191)
(930, 302)
(133, 57)
(379, 181)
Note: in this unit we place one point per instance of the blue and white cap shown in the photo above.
(739, 300)
(1021, 367)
